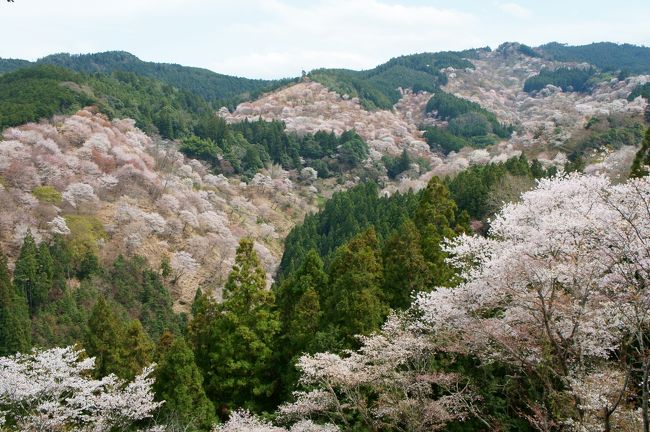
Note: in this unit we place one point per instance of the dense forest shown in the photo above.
(568, 79)
(607, 56)
(469, 124)
(42, 91)
(378, 88)
(214, 88)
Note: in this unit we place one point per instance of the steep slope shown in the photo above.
(309, 106)
(550, 120)
(106, 183)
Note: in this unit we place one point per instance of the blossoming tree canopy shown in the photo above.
(53, 390)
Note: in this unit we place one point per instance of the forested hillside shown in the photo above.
(216, 89)
(378, 88)
(608, 56)
(453, 241)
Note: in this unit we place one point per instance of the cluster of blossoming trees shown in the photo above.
(557, 294)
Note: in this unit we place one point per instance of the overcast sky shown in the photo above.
(279, 38)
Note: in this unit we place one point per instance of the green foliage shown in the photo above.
(606, 132)
(353, 149)
(210, 86)
(200, 148)
(569, 79)
(119, 347)
(450, 107)
(10, 65)
(642, 90)
(469, 124)
(471, 188)
(34, 93)
(396, 166)
(103, 341)
(345, 215)
(15, 326)
(85, 232)
(437, 218)
(440, 139)
(140, 290)
(180, 384)
(41, 91)
(378, 88)
(642, 158)
(27, 278)
(354, 302)
(234, 340)
(47, 194)
(607, 56)
(405, 269)
(246, 147)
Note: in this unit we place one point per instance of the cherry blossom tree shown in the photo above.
(559, 288)
(53, 390)
(244, 421)
(388, 383)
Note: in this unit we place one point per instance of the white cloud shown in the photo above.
(341, 33)
(515, 10)
(278, 38)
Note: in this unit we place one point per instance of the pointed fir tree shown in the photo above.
(104, 339)
(62, 265)
(310, 276)
(26, 275)
(354, 301)
(15, 326)
(180, 384)
(405, 269)
(234, 340)
(437, 219)
(45, 278)
(136, 350)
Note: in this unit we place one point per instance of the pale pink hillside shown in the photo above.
(147, 197)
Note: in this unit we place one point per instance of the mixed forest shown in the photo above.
(511, 296)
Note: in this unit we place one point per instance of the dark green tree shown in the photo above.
(45, 277)
(354, 301)
(136, 350)
(436, 219)
(180, 384)
(26, 274)
(62, 265)
(15, 326)
(234, 340)
(104, 339)
(405, 269)
(642, 158)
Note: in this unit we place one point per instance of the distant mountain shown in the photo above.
(377, 87)
(41, 91)
(10, 65)
(607, 56)
(215, 88)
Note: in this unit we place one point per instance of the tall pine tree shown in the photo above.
(180, 384)
(354, 300)
(234, 340)
(15, 326)
(405, 269)
(436, 219)
(26, 274)
(104, 339)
